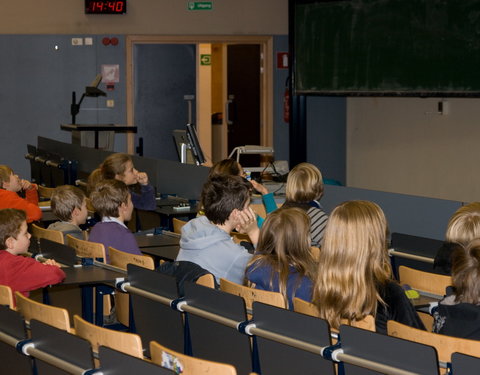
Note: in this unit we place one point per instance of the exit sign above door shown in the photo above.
(200, 5)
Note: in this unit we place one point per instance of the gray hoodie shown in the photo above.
(213, 249)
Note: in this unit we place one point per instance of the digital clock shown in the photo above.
(105, 6)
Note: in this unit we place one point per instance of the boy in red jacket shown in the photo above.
(10, 185)
(21, 273)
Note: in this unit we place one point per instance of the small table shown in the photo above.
(161, 246)
(99, 128)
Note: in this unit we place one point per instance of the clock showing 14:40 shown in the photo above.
(105, 6)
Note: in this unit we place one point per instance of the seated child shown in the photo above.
(120, 167)
(10, 185)
(458, 314)
(112, 201)
(304, 190)
(283, 261)
(69, 204)
(463, 227)
(206, 239)
(20, 273)
(233, 168)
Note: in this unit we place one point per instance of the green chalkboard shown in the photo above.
(387, 47)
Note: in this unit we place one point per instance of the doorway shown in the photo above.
(252, 56)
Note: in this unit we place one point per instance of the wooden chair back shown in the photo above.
(315, 252)
(189, 365)
(49, 234)
(445, 345)
(424, 281)
(124, 342)
(308, 308)
(86, 249)
(250, 294)
(54, 316)
(90, 208)
(6, 296)
(259, 209)
(239, 237)
(207, 280)
(120, 259)
(178, 225)
(45, 192)
(426, 319)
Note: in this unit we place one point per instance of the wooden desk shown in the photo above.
(99, 128)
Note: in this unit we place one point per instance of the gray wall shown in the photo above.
(37, 83)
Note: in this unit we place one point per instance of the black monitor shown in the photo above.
(185, 154)
(195, 144)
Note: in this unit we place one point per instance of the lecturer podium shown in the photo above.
(78, 129)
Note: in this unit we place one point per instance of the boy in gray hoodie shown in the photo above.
(206, 240)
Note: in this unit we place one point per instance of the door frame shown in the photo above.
(203, 104)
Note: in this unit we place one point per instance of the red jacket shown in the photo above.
(10, 199)
(25, 274)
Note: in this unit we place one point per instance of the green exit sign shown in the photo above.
(200, 5)
(205, 59)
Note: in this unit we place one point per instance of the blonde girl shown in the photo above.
(354, 277)
(304, 190)
(463, 227)
(283, 261)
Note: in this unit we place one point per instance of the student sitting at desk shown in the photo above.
(22, 274)
(206, 240)
(283, 261)
(69, 204)
(463, 227)
(231, 167)
(10, 186)
(112, 201)
(354, 277)
(120, 167)
(458, 314)
(304, 190)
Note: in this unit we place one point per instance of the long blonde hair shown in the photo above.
(353, 263)
(285, 241)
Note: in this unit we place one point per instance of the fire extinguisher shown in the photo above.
(286, 103)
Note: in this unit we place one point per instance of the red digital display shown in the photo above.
(105, 6)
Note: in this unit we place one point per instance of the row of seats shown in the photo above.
(445, 344)
(123, 342)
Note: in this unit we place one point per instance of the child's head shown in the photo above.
(117, 166)
(353, 262)
(466, 272)
(9, 180)
(284, 242)
(285, 235)
(226, 167)
(14, 236)
(111, 198)
(222, 195)
(304, 183)
(69, 204)
(464, 225)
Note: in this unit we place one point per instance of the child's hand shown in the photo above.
(248, 224)
(51, 262)
(259, 187)
(247, 220)
(142, 178)
(26, 185)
